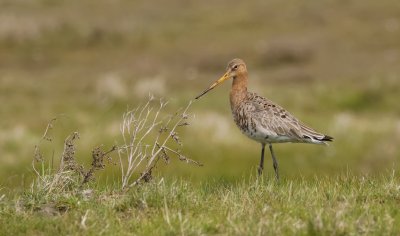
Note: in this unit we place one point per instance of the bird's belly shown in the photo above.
(263, 136)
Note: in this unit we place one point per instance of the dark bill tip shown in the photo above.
(206, 91)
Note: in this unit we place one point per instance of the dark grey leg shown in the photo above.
(275, 163)
(261, 167)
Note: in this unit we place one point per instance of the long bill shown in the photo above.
(220, 80)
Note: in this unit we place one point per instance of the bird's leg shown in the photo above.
(261, 167)
(275, 163)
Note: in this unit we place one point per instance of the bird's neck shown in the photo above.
(239, 90)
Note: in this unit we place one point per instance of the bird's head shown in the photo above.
(235, 68)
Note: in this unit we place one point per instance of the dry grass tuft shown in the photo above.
(70, 176)
(148, 137)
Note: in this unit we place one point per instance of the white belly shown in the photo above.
(265, 136)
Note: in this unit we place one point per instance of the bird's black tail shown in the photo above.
(327, 138)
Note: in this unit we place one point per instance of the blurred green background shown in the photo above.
(333, 64)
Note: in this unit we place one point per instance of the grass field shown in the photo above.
(343, 205)
(333, 64)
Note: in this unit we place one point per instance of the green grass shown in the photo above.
(345, 205)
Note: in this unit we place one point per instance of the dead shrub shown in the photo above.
(148, 137)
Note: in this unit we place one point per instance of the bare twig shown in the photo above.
(146, 135)
(37, 155)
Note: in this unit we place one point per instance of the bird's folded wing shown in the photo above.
(279, 121)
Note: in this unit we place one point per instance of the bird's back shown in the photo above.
(266, 122)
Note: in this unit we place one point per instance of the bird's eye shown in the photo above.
(235, 67)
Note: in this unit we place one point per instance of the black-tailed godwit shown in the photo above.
(261, 119)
